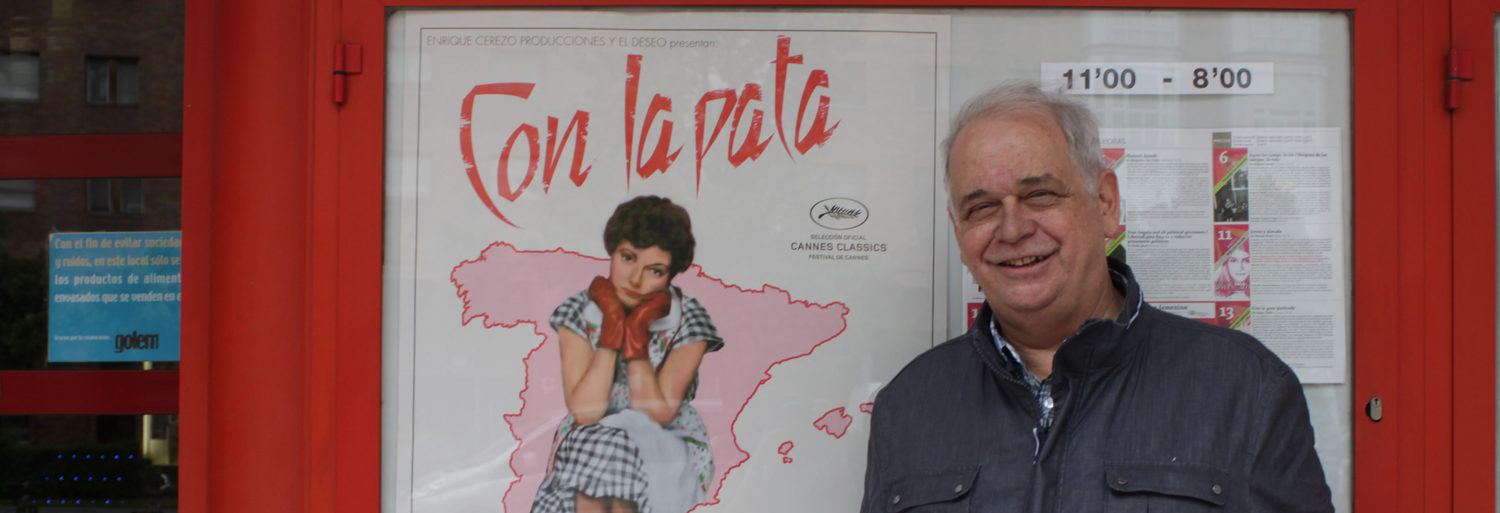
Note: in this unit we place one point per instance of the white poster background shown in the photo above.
(457, 368)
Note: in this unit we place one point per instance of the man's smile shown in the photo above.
(1023, 262)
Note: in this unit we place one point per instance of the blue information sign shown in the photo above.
(114, 296)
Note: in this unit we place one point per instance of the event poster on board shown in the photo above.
(802, 147)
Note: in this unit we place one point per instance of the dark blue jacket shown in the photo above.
(1169, 415)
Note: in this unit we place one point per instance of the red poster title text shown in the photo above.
(708, 123)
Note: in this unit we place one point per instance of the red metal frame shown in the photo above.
(1473, 150)
(1424, 240)
(265, 144)
(1377, 307)
(249, 387)
(91, 156)
(199, 79)
(88, 392)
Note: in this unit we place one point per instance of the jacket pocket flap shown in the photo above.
(930, 488)
(1202, 483)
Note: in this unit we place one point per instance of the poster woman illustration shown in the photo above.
(1232, 274)
(631, 344)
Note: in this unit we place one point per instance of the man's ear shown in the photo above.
(1110, 203)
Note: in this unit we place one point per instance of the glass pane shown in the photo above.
(1271, 89)
(1309, 54)
(132, 197)
(98, 80)
(17, 194)
(101, 196)
(19, 76)
(83, 463)
(127, 86)
(88, 463)
(62, 206)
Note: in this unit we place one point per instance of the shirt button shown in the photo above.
(1047, 402)
(1218, 490)
(958, 489)
(896, 500)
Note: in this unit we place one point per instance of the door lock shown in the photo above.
(1373, 409)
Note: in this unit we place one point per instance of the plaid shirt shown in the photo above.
(1041, 388)
(603, 461)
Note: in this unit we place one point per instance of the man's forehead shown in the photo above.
(1033, 117)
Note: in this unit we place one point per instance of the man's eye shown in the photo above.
(978, 210)
(658, 272)
(1042, 197)
(627, 257)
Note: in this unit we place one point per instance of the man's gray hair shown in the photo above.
(1075, 119)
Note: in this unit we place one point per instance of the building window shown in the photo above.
(132, 199)
(113, 81)
(100, 197)
(20, 76)
(116, 195)
(18, 195)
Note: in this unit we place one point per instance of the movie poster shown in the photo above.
(798, 152)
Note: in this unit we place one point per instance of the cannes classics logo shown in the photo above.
(839, 213)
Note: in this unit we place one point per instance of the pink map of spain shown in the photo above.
(507, 287)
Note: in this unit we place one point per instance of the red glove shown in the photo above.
(653, 306)
(612, 328)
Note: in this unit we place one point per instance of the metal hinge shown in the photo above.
(348, 59)
(1460, 69)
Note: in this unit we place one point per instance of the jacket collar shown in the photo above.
(1099, 344)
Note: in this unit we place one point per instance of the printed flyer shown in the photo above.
(114, 296)
(654, 261)
(1239, 227)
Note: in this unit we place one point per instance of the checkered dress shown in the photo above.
(601, 461)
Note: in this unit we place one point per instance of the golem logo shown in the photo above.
(135, 340)
(839, 213)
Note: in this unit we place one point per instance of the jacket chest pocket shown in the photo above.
(1157, 488)
(936, 492)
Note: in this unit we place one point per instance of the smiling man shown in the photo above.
(1070, 393)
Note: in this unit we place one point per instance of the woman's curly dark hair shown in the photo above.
(648, 221)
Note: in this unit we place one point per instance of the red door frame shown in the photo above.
(264, 143)
(1473, 150)
(200, 47)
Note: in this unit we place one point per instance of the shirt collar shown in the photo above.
(1008, 355)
